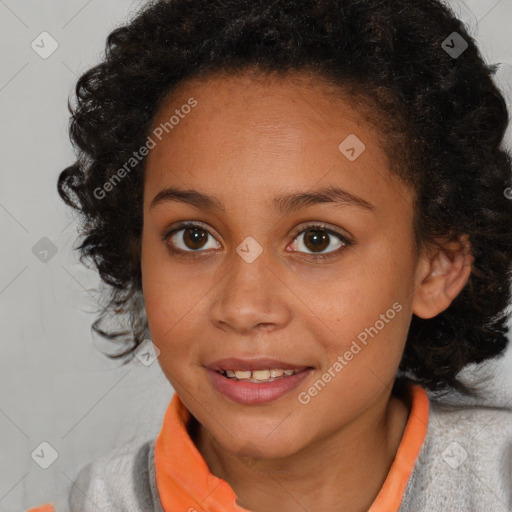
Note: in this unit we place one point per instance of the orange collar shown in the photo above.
(186, 483)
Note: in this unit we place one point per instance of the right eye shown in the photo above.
(193, 237)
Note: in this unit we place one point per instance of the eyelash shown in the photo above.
(316, 226)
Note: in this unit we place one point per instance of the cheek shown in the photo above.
(170, 314)
(173, 295)
(160, 287)
(366, 284)
(364, 313)
(169, 306)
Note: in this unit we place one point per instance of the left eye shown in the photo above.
(316, 239)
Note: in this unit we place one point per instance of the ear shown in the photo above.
(440, 276)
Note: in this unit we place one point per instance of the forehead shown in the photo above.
(287, 99)
(264, 133)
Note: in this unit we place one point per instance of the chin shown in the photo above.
(259, 446)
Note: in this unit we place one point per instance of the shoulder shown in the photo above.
(464, 417)
(121, 479)
(465, 462)
(483, 433)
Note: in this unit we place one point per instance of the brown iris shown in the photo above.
(196, 236)
(317, 238)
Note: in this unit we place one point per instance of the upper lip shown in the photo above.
(234, 363)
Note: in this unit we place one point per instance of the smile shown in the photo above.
(270, 375)
(256, 387)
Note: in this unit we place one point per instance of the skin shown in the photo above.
(247, 141)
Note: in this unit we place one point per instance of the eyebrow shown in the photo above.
(284, 203)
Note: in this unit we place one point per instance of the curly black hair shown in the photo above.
(441, 114)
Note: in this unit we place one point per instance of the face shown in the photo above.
(327, 286)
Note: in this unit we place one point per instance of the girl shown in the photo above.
(305, 205)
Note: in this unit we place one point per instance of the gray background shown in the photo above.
(56, 386)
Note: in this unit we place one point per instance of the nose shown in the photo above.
(251, 296)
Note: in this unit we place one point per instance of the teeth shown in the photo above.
(243, 374)
(258, 375)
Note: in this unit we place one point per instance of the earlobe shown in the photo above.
(441, 277)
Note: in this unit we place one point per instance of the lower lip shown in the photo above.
(253, 393)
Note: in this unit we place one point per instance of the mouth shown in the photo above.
(258, 376)
(256, 381)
